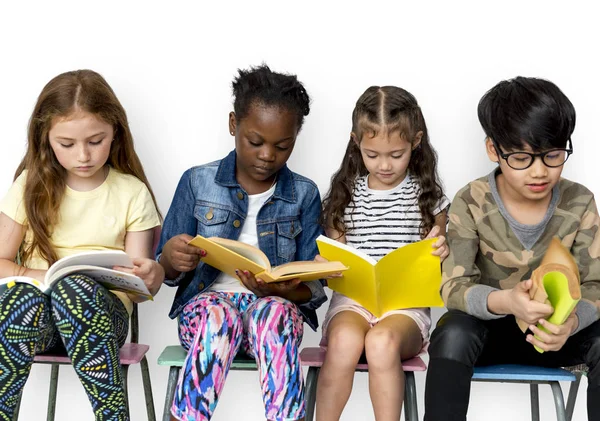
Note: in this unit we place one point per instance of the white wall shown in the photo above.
(171, 64)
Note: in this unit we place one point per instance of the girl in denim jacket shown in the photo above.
(251, 196)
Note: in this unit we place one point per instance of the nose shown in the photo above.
(538, 168)
(267, 153)
(83, 154)
(385, 164)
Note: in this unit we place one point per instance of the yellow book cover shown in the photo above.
(405, 278)
(555, 282)
(228, 255)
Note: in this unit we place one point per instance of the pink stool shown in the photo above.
(130, 353)
(313, 359)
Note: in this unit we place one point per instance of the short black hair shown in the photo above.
(260, 85)
(527, 111)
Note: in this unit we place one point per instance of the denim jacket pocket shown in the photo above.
(210, 220)
(287, 232)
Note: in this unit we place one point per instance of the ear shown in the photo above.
(354, 139)
(417, 140)
(492, 153)
(232, 123)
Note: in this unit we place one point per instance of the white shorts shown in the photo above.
(339, 303)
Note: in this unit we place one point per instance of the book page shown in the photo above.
(109, 278)
(410, 277)
(101, 258)
(305, 270)
(244, 250)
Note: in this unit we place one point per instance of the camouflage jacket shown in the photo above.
(485, 255)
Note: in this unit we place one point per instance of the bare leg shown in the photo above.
(345, 343)
(393, 339)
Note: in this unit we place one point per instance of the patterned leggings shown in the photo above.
(213, 326)
(81, 316)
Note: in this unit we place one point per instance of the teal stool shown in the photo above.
(535, 376)
(173, 357)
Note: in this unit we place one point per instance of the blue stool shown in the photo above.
(533, 376)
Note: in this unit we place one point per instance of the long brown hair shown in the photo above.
(392, 109)
(80, 90)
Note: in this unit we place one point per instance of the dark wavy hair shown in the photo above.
(527, 111)
(393, 109)
(260, 85)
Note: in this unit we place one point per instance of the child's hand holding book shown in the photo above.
(234, 257)
(264, 289)
(150, 271)
(179, 257)
(519, 302)
(555, 283)
(552, 337)
(440, 245)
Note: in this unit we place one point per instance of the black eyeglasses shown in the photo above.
(523, 160)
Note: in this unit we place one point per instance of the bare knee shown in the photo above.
(383, 348)
(344, 346)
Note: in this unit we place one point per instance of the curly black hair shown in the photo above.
(260, 85)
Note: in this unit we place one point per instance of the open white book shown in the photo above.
(98, 265)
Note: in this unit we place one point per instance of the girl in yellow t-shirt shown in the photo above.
(80, 187)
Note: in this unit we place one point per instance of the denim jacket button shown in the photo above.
(240, 195)
(237, 223)
(209, 215)
(201, 286)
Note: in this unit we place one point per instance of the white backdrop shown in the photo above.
(171, 64)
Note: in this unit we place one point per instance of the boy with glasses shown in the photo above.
(500, 227)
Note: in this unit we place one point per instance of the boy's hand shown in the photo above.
(263, 289)
(440, 246)
(556, 336)
(179, 255)
(523, 307)
(150, 271)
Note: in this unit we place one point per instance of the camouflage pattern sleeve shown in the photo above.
(586, 250)
(459, 271)
(461, 277)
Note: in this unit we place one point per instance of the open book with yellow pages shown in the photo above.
(555, 282)
(98, 265)
(405, 278)
(231, 255)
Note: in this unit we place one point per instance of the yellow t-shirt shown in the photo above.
(93, 220)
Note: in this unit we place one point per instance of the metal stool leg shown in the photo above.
(148, 390)
(573, 396)
(535, 402)
(52, 394)
(311, 392)
(125, 371)
(173, 376)
(410, 397)
(559, 402)
(16, 413)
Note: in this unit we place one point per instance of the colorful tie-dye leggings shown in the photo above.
(213, 326)
(92, 324)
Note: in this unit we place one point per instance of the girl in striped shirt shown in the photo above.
(386, 194)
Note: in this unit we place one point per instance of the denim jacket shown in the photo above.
(210, 202)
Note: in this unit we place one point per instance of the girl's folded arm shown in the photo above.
(11, 237)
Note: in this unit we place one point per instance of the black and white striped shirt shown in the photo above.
(380, 221)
